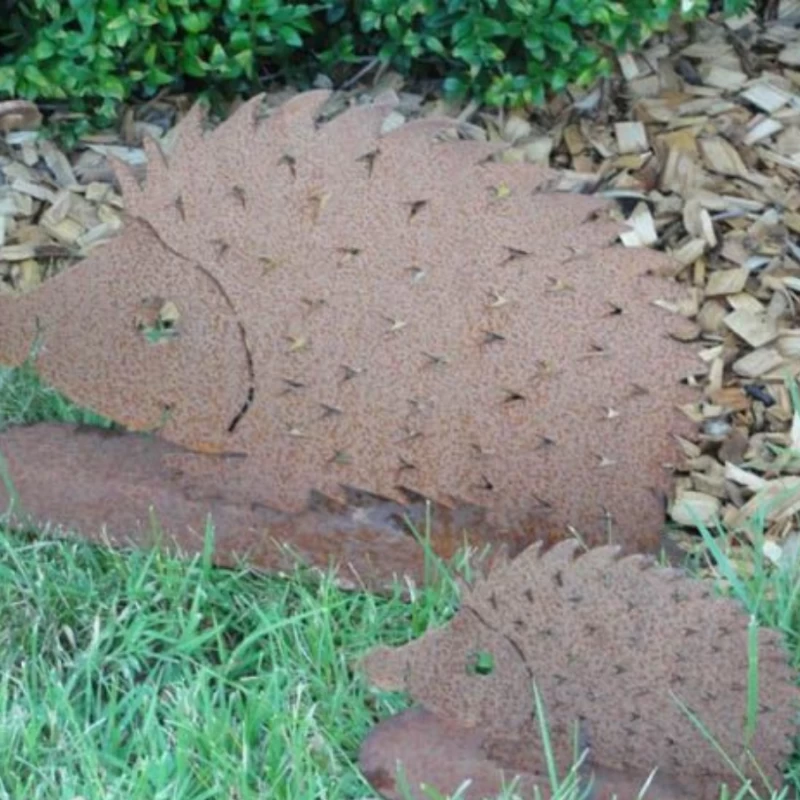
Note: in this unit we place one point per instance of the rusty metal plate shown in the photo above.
(610, 642)
(117, 489)
(320, 309)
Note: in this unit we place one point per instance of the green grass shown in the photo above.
(140, 676)
(137, 675)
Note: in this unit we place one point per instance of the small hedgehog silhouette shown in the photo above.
(622, 653)
(329, 325)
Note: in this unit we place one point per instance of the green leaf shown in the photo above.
(392, 26)
(8, 80)
(113, 87)
(196, 21)
(434, 44)
(150, 55)
(559, 80)
(454, 87)
(193, 65)
(246, 61)
(157, 77)
(218, 55)
(240, 40)
(87, 17)
(117, 23)
(370, 21)
(263, 31)
(290, 36)
(44, 49)
(36, 77)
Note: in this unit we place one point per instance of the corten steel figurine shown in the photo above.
(329, 327)
(621, 652)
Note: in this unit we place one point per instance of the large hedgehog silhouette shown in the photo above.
(622, 653)
(329, 325)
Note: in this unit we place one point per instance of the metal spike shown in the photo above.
(395, 324)
(298, 343)
(498, 300)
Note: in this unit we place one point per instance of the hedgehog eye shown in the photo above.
(157, 319)
(480, 663)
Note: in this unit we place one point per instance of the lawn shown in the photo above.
(135, 675)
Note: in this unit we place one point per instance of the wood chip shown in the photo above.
(721, 156)
(17, 252)
(761, 128)
(756, 329)
(58, 164)
(744, 477)
(758, 363)
(631, 137)
(35, 190)
(722, 78)
(694, 509)
(628, 65)
(689, 252)
(776, 500)
(765, 96)
(790, 55)
(643, 230)
(726, 281)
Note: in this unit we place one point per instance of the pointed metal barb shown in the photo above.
(330, 411)
(491, 337)
(415, 207)
(298, 343)
(369, 160)
(497, 300)
(514, 254)
(352, 372)
(290, 162)
(395, 325)
(417, 274)
(240, 194)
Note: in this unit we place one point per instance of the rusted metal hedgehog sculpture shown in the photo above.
(330, 327)
(616, 647)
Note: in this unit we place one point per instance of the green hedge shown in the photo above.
(96, 53)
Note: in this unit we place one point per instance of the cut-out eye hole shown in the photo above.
(157, 320)
(481, 663)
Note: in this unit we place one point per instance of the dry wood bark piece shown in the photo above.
(610, 642)
(395, 313)
(19, 115)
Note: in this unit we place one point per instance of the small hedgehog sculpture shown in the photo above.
(331, 325)
(614, 646)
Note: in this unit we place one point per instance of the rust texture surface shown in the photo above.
(610, 642)
(116, 489)
(310, 308)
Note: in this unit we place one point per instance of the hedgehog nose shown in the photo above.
(385, 668)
